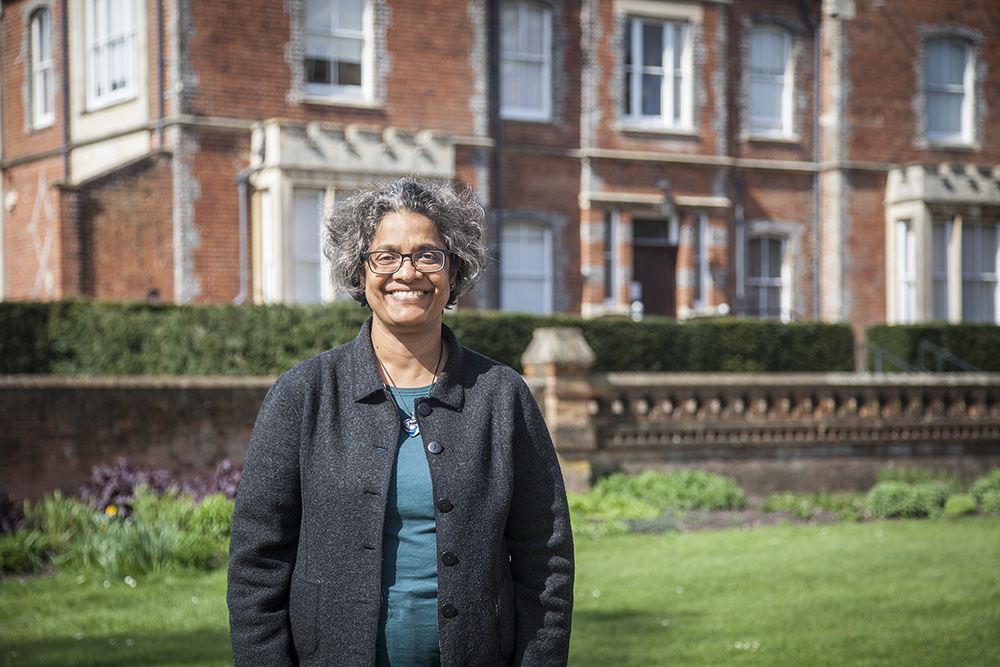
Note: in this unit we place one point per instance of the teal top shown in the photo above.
(408, 633)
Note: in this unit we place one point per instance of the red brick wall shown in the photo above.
(125, 232)
(219, 159)
(33, 231)
(884, 80)
(57, 429)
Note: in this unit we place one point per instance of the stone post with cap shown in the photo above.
(561, 360)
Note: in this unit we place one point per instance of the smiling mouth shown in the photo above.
(408, 295)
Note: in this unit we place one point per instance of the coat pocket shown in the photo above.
(303, 613)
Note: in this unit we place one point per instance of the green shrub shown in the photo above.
(213, 516)
(24, 551)
(975, 343)
(929, 498)
(959, 504)
(600, 506)
(892, 499)
(985, 484)
(847, 506)
(991, 502)
(679, 490)
(165, 531)
(111, 338)
(952, 482)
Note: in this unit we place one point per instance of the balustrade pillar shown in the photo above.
(563, 359)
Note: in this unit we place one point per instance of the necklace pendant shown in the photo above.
(411, 427)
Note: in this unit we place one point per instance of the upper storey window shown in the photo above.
(526, 61)
(111, 52)
(338, 49)
(42, 70)
(949, 90)
(658, 74)
(770, 81)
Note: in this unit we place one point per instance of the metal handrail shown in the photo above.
(882, 356)
(942, 357)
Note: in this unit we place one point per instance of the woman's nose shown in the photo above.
(406, 269)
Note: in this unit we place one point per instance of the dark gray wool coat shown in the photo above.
(306, 547)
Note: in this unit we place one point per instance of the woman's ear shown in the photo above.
(454, 264)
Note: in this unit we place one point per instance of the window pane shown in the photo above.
(651, 91)
(531, 86)
(318, 16)
(944, 112)
(348, 74)
(628, 46)
(350, 14)
(755, 259)
(652, 45)
(534, 32)
(318, 71)
(525, 269)
(509, 32)
(988, 247)
(939, 267)
(774, 258)
(509, 83)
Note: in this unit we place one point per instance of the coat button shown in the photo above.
(448, 558)
(448, 610)
(435, 447)
(424, 409)
(445, 505)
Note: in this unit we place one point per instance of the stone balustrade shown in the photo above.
(771, 431)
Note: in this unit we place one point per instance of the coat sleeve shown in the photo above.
(540, 543)
(265, 532)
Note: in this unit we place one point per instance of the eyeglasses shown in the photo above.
(389, 261)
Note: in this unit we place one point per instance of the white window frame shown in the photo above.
(771, 78)
(971, 236)
(676, 68)
(906, 272)
(532, 274)
(519, 59)
(701, 268)
(111, 52)
(270, 251)
(304, 249)
(42, 70)
(761, 283)
(941, 268)
(937, 89)
(334, 92)
(612, 219)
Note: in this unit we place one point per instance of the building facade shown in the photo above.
(834, 160)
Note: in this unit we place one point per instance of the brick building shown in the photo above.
(806, 160)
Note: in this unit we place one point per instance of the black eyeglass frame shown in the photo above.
(367, 256)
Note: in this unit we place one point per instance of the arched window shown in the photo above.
(766, 286)
(42, 70)
(526, 268)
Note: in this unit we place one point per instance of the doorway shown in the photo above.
(654, 257)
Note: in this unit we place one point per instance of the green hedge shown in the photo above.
(111, 338)
(975, 343)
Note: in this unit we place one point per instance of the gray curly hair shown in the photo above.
(351, 224)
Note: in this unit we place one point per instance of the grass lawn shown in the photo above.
(883, 593)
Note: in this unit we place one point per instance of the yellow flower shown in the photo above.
(111, 510)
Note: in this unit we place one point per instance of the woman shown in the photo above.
(401, 502)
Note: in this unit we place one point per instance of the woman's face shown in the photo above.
(408, 301)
